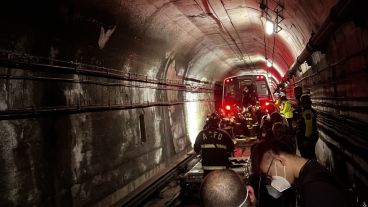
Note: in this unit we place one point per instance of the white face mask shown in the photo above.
(278, 185)
(246, 197)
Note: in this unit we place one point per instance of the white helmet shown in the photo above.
(282, 94)
(276, 95)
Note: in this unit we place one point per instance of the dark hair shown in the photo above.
(275, 117)
(298, 91)
(223, 188)
(285, 134)
(213, 120)
(305, 100)
(277, 146)
(279, 130)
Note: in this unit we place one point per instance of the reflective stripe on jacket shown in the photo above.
(213, 146)
(213, 167)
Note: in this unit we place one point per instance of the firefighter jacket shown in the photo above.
(216, 147)
(286, 109)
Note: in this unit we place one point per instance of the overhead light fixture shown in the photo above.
(269, 63)
(269, 27)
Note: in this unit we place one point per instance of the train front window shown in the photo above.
(244, 83)
(262, 89)
(230, 90)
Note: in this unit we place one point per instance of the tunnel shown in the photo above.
(98, 99)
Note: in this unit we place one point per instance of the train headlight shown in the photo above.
(228, 107)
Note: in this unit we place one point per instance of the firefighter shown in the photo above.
(286, 109)
(215, 146)
(307, 143)
(250, 121)
(249, 96)
(297, 114)
(298, 92)
(297, 106)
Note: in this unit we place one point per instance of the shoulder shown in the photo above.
(200, 133)
(223, 132)
(322, 192)
(318, 188)
(316, 178)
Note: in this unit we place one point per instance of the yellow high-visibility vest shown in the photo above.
(308, 116)
(286, 109)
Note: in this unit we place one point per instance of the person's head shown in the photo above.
(276, 117)
(282, 132)
(298, 92)
(246, 89)
(273, 158)
(213, 120)
(279, 130)
(305, 101)
(225, 188)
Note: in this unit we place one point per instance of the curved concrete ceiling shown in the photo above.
(223, 37)
(210, 39)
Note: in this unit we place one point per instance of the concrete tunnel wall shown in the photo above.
(80, 159)
(337, 82)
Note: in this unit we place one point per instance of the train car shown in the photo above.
(233, 87)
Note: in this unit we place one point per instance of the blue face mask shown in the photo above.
(278, 185)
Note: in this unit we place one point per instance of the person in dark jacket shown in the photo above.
(276, 162)
(215, 146)
(276, 128)
(298, 121)
(307, 142)
(249, 96)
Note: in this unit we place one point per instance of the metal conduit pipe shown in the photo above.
(31, 63)
(32, 112)
(337, 15)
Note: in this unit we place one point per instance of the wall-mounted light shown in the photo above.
(269, 27)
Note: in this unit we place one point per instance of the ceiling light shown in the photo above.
(269, 63)
(269, 27)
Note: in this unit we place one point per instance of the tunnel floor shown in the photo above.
(183, 189)
(173, 195)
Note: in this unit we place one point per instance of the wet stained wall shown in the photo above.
(79, 158)
(91, 75)
(337, 82)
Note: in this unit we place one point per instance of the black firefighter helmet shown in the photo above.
(213, 120)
